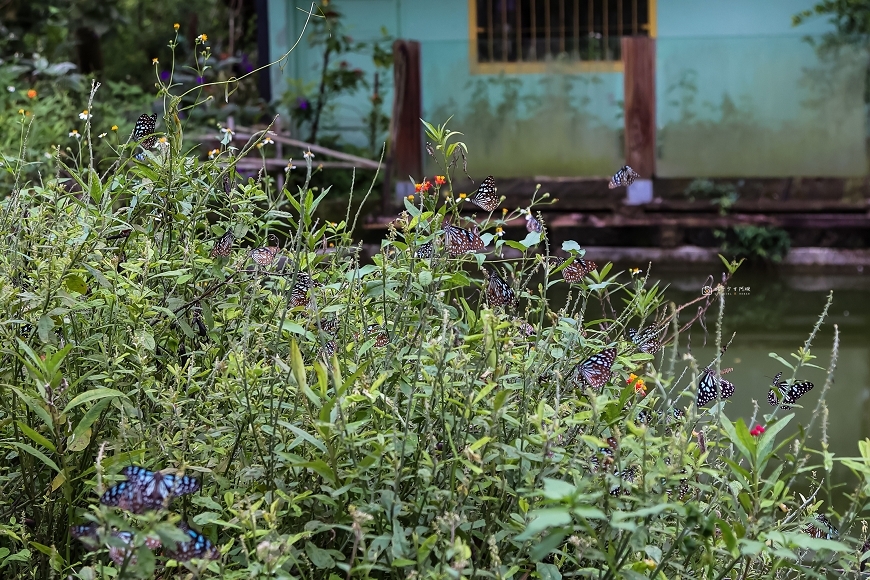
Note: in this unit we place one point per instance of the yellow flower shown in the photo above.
(462, 196)
(154, 60)
(114, 127)
(202, 38)
(20, 111)
(176, 26)
(503, 210)
(631, 378)
(84, 115)
(411, 197)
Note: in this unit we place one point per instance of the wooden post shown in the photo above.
(406, 138)
(639, 62)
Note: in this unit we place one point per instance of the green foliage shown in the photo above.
(756, 243)
(460, 449)
(723, 195)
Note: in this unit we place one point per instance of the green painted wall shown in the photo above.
(740, 93)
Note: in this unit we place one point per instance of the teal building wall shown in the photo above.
(740, 92)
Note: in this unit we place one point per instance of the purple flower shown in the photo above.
(164, 75)
(302, 103)
(200, 80)
(245, 64)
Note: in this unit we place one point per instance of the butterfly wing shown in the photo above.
(574, 272)
(533, 225)
(595, 370)
(795, 392)
(224, 246)
(623, 178)
(461, 241)
(485, 197)
(424, 250)
(707, 388)
(498, 292)
(196, 546)
(144, 129)
(264, 256)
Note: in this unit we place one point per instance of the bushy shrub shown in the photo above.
(366, 420)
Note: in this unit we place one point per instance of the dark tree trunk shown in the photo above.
(321, 97)
(90, 50)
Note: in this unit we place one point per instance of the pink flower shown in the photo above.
(757, 430)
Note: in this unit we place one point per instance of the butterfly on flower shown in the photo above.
(595, 370)
(821, 528)
(224, 246)
(707, 387)
(196, 546)
(266, 255)
(792, 393)
(485, 197)
(145, 490)
(424, 250)
(460, 241)
(498, 292)
(646, 340)
(299, 293)
(143, 132)
(533, 225)
(574, 272)
(623, 178)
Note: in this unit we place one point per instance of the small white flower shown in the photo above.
(101, 135)
(308, 155)
(290, 166)
(227, 131)
(85, 115)
(10, 88)
(75, 133)
(268, 141)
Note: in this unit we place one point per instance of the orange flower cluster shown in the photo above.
(639, 385)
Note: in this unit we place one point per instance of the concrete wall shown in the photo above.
(740, 92)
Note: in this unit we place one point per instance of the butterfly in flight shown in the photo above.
(623, 177)
(146, 490)
(196, 546)
(485, 197)
(299, 293)
(224, 246)
(815, 530)
(574, 272)
(498, 293)
(533, 225)
(461, 241)
(646, 340)
(424, 250)
(266, 255)
(595, 370)
(792, 393)
(707, 387)
(144, 129)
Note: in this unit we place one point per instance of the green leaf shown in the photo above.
(531, 239)
(35, 453)
(319, 557)
(548, 571)
(36, 437)
(544, 519)
(92, 415)
(558, 489)
(36, 407)
(76, 284)
(773, 355)
(572, 246)
(743, 446)
(91, 395)
(44, 327)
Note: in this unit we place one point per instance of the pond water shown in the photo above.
(774, 311)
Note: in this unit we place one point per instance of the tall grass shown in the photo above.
(459, 449)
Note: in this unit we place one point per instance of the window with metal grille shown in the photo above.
(533, 31)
